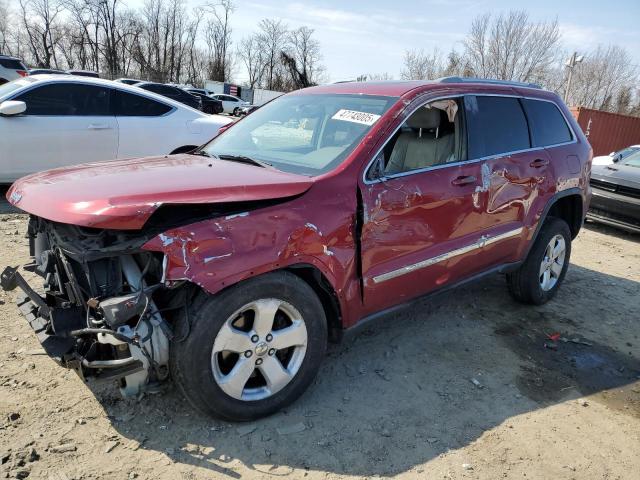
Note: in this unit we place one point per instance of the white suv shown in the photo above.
(11, 68)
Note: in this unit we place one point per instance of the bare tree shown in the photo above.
(420, 65)
(40, 21)
(605, 80)
(218, 40)
(273, 40)
(252, 56)
(377, 77)
(4, 28)
(305, 51)
(511, 47)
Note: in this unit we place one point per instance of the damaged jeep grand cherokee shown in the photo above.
(230, 268)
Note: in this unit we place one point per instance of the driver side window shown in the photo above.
(433, 135)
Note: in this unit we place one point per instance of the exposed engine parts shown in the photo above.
(104, 310)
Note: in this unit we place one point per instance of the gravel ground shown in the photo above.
(466, 385)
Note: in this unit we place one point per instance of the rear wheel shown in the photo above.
(539, 277)
(253, 349)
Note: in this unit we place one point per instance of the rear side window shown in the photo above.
(548, 126)
(67, 99)
(12, 64)
(132, 105)
(495, 125)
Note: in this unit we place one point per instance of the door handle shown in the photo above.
(464, 180)
(539, 162)
(98, 126)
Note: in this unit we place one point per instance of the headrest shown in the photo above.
(427, 118)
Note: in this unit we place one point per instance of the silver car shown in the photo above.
(11, 68)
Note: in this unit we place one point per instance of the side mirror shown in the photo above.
(616, 158)
(11, 108)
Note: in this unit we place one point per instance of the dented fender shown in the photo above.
(220, 252)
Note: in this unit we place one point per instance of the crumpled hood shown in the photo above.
(123, 194)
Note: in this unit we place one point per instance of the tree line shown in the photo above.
(510, 46)
(162, 41)
(165, 41)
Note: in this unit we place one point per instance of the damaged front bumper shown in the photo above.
(97, 313)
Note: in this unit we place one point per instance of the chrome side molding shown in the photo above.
(480, 243)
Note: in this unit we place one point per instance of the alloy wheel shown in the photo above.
(259, 349)
(552, 262)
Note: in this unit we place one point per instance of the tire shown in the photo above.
(198, 371)
(528, 284)
(235, 111)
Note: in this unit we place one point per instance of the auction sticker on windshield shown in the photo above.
(356, 117)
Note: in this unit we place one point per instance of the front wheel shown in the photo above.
(252, 349)
(539, 277)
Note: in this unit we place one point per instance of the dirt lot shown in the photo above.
(461, 386)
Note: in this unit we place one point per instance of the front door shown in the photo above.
(65, 123)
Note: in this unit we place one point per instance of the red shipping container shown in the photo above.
(607, 132)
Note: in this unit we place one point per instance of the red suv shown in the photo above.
(229, 268)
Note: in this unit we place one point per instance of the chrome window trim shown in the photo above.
(480, 243)
(468, 161)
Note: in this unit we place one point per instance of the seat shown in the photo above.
(422, 146)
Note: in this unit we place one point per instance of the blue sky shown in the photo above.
(359, 37)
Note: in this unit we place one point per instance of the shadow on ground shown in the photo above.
(431, 378)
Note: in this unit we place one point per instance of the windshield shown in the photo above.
(304, 134)
(625, 152)
(10, 87)
(632, 160)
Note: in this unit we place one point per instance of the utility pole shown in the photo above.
(571, 65)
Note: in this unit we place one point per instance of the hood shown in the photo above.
(617, 173)
(602, 160)
(123, 194)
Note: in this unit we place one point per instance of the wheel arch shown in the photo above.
(568, 207)
(320, 284)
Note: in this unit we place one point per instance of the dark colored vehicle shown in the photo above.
(616, 193)
(84, 73)
(209, 105)
(231, 267)
(128, 81)
(11, 68)
(47, 71)
(172, 92)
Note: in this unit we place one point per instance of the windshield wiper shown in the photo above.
(243, 159)
(201, 153)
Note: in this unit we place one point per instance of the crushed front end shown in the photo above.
(103, 308)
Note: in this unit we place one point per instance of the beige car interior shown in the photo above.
(430, 136)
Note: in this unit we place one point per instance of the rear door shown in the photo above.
(146, 126)
(65, 123)
(512, 173)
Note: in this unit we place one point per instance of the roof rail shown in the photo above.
(490, 81)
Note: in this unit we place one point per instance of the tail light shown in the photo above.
(22, 73)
